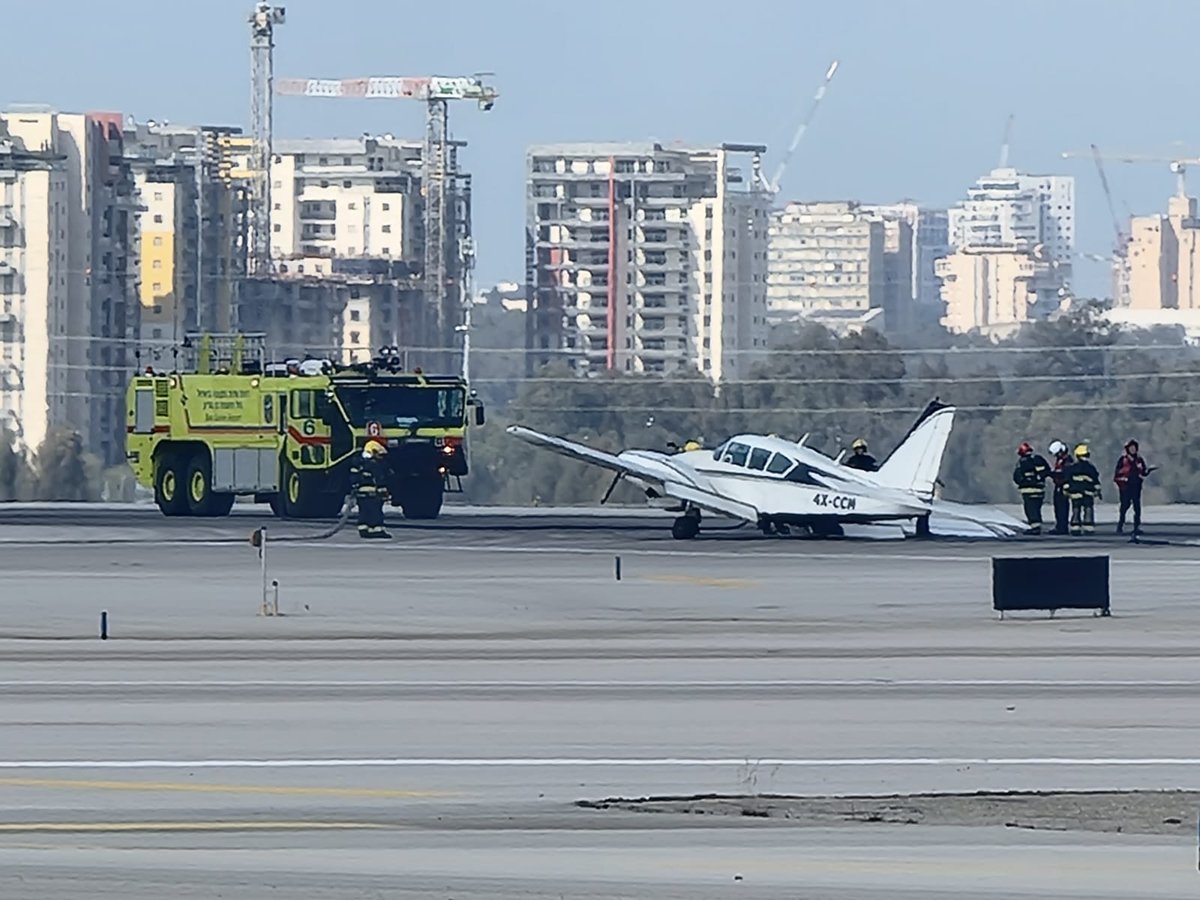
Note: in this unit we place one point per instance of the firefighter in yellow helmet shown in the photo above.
(369, 481)
(860, 458)
(1083, 489)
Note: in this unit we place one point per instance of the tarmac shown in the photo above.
(424, 714)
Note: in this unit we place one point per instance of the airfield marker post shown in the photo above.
(617, 567)
(104, 624)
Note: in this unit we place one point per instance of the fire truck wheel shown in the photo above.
(199, 485)
(169, 485)
(421, 498)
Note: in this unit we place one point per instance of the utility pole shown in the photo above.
(262, 52)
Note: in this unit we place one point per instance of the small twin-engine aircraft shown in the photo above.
(777, 484)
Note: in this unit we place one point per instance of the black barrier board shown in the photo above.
(1050, 583)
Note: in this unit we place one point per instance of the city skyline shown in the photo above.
(917, 110)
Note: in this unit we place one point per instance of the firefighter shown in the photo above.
(368, 479)
(1083, 489)
(1130, 473)
(1030, 476)
(1058, 472)
(860, 458)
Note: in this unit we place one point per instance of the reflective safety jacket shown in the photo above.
(1083, 480)
(1031, 473)
(368, 476)
(1130, 471)
(1059, 472)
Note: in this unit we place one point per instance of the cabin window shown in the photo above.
(736, 454)
(304, 404)
(779, 464)
(758, 459)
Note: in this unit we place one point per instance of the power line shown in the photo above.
(653, 382)
(797, 410)
(766, 354)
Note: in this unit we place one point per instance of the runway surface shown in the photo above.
(423, 716)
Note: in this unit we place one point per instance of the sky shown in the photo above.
(916, 111)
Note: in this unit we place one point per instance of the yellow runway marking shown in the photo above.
(701, 581)
(200, 788)
(9, 827)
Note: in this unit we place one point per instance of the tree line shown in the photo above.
(61, 469)
(1077, 378)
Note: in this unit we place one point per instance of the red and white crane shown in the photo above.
(442, 261)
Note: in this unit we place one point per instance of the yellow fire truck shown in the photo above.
(226, 424)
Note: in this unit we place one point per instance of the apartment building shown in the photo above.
(346, 198)
(1007, 208)
(995, 290)
(827, 263)
(34, 386)
(194, 192)
(1163, 257)
(345, 310)
(645, 258)
(70, 303)
(930, 242)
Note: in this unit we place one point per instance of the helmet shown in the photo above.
(374, 448)
(859, 444)
(1025, 449)
(1082, 452)
(1057, 448)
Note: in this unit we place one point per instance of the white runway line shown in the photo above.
(605, 763)
(748, 684)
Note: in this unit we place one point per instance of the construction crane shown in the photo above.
(437, 169)
(1007, 140)
(1178, 166)
(262, 63)
(773, 184)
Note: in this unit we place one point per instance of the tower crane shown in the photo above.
(773, 184)
(262, 61)
(1008, 124)
(1178, 166)
(440, 240)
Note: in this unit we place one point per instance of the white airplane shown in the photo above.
(775, 483)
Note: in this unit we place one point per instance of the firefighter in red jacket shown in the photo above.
(1130, 473)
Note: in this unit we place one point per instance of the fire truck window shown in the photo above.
(758, 458)
(304, 404)
(268, 408)
(392, 406)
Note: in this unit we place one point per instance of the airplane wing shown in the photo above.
(992, 520)
(655, 470)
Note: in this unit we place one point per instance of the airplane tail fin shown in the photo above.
(917, 459)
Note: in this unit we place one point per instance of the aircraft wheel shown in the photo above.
(827, 529)
(685, 528)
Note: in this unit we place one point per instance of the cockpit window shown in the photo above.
(779, 464)
(720, 451)
(736, 454)
(758, 459)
